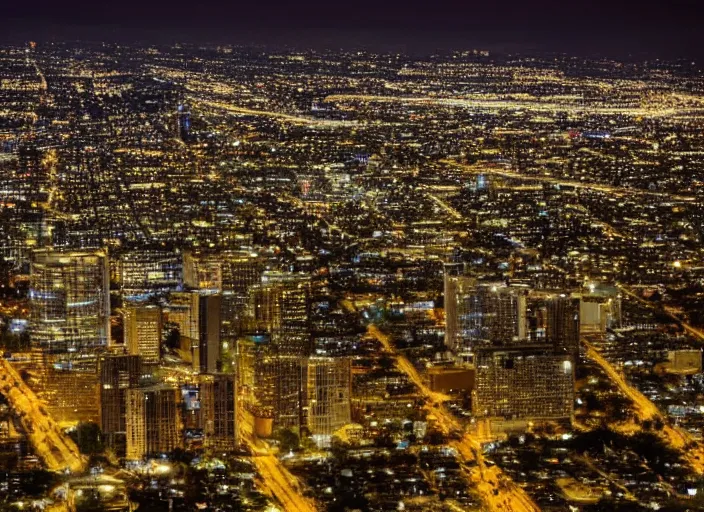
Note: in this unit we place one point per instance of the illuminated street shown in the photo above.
(497, 491)
(56, 449)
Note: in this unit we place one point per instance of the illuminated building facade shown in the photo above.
(197, 316)
(69, 299)
(153, 421)
(117, 374)
(526, 383)
(206, 354)
(281, 306)
(483, 314)
(329, 389)
(149, 270)
(279, 386)
(143, 327)
(218, 397)
(553, 318)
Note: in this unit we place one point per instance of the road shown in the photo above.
(277, 481)
(646, 410)
(50, 443)
(600, 187)
(587, 461)
(477, 102)
(498, 492)
(281, 484)
(281, 116)
(698, 334)
(442, 204)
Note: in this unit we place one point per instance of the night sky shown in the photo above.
(664, 28)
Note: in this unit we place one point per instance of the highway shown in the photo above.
(50, 443)
(600, 187)
(492, 104)
(442, 204)
(233, 109)
(498, 492)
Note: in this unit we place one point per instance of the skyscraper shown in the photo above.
(143, 326)
(207, 353)
(149, 270)
(218, 405)
(183, 122)
(329, 390)
(453, 283)
(523, 344)
(483, 314)
(523, 383)
(281, 306)
(198, 318)
(231, 273)
(69, 299)
(553, 318)
(153, 421)
(117, 374)
(278, 386)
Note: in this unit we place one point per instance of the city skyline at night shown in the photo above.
(323, 257)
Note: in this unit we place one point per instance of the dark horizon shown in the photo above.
(618, 30)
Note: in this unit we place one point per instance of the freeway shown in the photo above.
(50, 443)
(646, 410)
(281, 116)
(493, 104)
(600, 187)
(498, 492)
(442, 204)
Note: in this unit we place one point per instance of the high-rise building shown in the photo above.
(183, 310)
(483, 314)
(523, 343)
(553, 318)
(599, 309)
(230, 273)
(279, 387)
(183, 122)
(69, 299)
(198, 316)
(453, 287)
(206, 353)
(219, 412)
(153, 421)
(148, 270)
(281, 306)
(526, 383)
(67, 382)
(117, 374)
(329, 390)
(143, 328)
